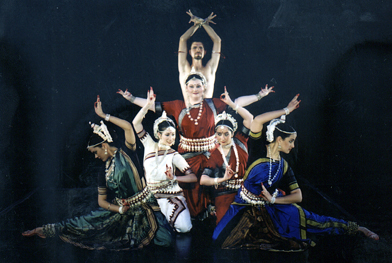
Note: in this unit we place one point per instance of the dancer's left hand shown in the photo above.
(264, 92)
(225, 97)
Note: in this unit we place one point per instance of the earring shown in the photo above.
(106, 151)
(279, 147)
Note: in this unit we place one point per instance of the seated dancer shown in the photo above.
(160, 163)
(226, 165)
(197, 53)
(131, 219)
(264, 214)
(196, 126)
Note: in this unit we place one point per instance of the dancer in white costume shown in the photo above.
(160, 164)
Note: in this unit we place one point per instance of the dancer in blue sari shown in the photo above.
(129, 216)
(264, 214)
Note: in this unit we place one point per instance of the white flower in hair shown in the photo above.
(271, 127)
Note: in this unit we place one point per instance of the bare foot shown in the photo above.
(36, 231)
(368, 233)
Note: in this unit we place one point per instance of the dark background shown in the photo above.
(56, 56)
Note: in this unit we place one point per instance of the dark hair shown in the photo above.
(164, 125)
(226, 123)
(96, 141)
(195, 41)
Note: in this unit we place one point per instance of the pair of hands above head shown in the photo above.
(199, 21)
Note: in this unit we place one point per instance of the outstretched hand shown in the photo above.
(225, 97)
(196, 20)
(98, 108)
(294, 103)
(126, 94)
(264, 92)
(209, 19)
(150, 98)
(169, 173)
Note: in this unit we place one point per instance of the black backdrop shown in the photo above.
(56, 56)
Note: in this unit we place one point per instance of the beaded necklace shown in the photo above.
(198, 115)
(236, 157)
(109, 168)
(270, 167)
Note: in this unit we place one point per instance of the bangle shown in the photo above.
(109, 206)
(287, 111)
(258, 95)
(216, 182)
(274, 195)
(107, 117)
(202, 23)
(120, 210)
(132, 98)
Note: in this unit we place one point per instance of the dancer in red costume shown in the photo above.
(195, 118)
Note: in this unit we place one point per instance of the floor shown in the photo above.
(192, 247)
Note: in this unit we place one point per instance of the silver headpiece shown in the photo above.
(159, 121)
(226, 117)
(203, 79)
(102, 131)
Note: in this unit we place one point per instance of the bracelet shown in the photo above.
(120, 210)
(109, 206)
(201, 24)
(107, 117)
(132, 98)
(274, 195)
(287, 111)
(216, 182)
(236, 108)
(258, 95)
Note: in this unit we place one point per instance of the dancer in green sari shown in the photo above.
(129, 216)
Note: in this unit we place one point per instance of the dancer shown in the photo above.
(160, 164)
(226, 165)
(132, 220)
(197, 53)
(196, 126)
(264, 214)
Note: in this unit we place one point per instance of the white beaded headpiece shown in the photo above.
(203, 79)
(224, 117)
(159, 121)
(102, 131)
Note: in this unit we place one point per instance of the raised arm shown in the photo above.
(244, 113)
(137, 121)
(216, 49)
(130, 140)
(249, 99)
(183, 64)
(136, 100)
(259, 120)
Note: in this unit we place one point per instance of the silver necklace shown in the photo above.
(270, 167)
